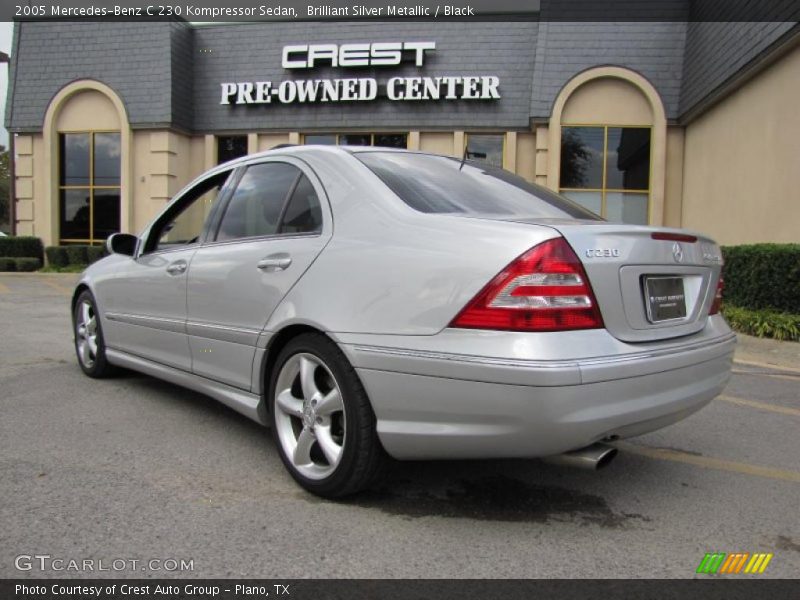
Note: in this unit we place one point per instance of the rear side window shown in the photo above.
(303, 213)
(438, 184)
(271, 198)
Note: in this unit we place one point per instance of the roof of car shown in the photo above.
(290, 149)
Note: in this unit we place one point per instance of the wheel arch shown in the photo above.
(277, 343)
(79, 289)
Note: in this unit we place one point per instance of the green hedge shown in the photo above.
(95, 253)
(56, 256)
(24, 264)
(74, 256)
(28, 264)
(763, 276)
(21, 246)
(763, 323)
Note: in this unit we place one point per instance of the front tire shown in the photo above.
(89, 343)
(322, 421)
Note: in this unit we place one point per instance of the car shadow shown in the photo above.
(513, 490)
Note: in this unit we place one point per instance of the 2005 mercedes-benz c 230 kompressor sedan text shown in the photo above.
(367, 301)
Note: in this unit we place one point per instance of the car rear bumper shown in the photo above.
(433, 405)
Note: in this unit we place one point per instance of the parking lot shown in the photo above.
(133, 468)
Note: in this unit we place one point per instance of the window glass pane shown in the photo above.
(438, 184)
(186, 226)
(230, 147)
(582, 157)
(74, 210)
(354, 139)
(106, 213)
(303, 215)
(485, 148)
(592, 201)
(391, 140)
(325, 139)
(106, 159)
(74, 158)
(256, 204)
(626, 208)
(628, 158)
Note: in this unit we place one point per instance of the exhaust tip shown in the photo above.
(592, 458)
(605, 458)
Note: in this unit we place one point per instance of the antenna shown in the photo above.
(468, 154)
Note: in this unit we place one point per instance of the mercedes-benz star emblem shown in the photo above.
(677, 252)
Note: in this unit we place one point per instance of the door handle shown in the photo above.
(275, 262)
(177, 268)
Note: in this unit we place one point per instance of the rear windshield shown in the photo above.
(438, 184)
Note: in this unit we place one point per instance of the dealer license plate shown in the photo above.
(664, 298)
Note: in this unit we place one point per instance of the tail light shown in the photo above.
(717, 303)
(545, 289)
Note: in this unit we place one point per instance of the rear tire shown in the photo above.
(90, 345)
(322, 421)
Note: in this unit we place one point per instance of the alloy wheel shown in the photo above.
(86, 334)
(310, 416)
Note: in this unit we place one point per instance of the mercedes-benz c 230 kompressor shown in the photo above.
(366, 301)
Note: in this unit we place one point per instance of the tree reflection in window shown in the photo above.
(607, 170)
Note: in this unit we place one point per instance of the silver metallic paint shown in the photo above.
(384, 285)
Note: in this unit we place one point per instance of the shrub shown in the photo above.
(77, 255)
(95, 253)
(28, 264)
(763, 323)
(56, 256)
(763, 276)
(21, 246)
(8, 263)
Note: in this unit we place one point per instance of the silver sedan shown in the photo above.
(368, 302)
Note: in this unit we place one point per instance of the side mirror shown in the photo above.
(122, 243)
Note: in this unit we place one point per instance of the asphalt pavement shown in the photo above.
(134, 469)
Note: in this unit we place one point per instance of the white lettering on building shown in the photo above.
(378, 54)
(359, 89)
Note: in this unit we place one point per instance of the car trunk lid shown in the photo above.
(650, 283)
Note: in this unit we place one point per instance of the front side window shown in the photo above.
(271, 198)
(183, 224)
(485, 148)
(89, 186)
(607, 170)
(439, 184)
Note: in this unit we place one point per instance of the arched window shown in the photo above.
(87, 151)
(607, 144)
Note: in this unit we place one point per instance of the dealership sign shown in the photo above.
(352, 89)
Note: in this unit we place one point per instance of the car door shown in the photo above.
(272, 227)
(146, 313)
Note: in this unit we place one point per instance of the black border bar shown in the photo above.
(708, 588)
(415, 10)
